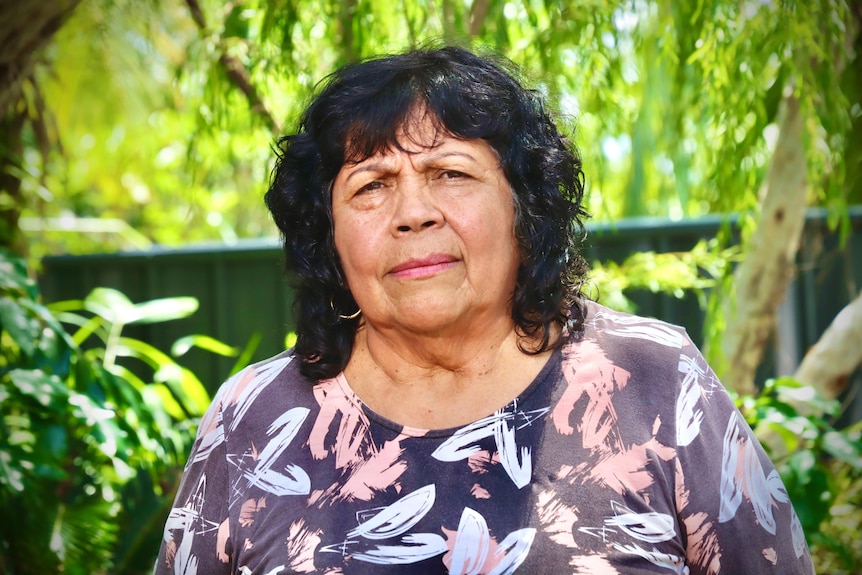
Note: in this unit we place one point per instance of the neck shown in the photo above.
(430, 381)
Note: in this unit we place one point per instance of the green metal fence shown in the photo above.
(243, 292)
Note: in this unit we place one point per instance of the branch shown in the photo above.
(478, 13)
(235, 70)
(761, 279)
(838, 352)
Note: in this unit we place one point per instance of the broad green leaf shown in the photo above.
(151, 355)
(53, 441)
(842, 447)
(14, 278)
(165, 309)
(89, 412)
(20, 326)
(11, 475)
(205, 342)
(185, 386)
(158, 396)
(112, 305)
(39, 386)
(58, 308)
(129, 377)
(48, 320)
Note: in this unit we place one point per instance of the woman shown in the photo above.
(453, 404)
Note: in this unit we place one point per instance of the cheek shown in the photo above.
(355, 247)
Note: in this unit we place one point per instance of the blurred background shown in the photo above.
(722, 146)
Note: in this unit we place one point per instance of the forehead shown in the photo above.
(420, 134)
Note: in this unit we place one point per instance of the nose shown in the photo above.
(416, 208)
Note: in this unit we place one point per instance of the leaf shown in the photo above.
(184, 344)
(186, 387)
(165, 309)
(842, 447)
(37, 385)
(151, 355)
(10, 473)
(19, 325)
(111, 304)
(244, 358)
(158, 396)
(14, 277)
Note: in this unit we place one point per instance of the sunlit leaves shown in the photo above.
(156, 133)
(80, 422)
(673, 273)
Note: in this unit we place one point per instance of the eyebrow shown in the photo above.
(382, 166)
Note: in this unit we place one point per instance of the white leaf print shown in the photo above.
(688, 418)
(754, 484)
(502, 426)
(519, 471)
(757, 487)
(639, 328)
(263, 376)
(462, 443)
(471, 544)
(796, 534)
(514, 549)
(208, 443)
(294, 480)
(215, 434)
(244, 570)
(185, 563)
(674, 563)
(397, 518)
(776, 487)
(730, 493)
(414, 547)
(651, 527)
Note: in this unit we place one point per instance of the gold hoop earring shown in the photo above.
(351, 316)
(345, 317)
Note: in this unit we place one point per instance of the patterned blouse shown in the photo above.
(624, 455)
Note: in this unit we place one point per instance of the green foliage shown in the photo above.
(672, 273)
(88, 446)
(821, 466)
(673, 105)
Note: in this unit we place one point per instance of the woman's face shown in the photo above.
(426, 236)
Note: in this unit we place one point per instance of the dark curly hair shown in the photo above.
(356, 114)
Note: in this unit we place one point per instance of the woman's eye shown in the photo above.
(453, 175)
(376, 184)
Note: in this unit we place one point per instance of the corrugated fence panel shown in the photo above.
(243, 292)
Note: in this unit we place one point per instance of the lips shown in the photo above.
(423, 266)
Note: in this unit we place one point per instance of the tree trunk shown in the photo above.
(762, 278)
(829, 363)
(26, 27)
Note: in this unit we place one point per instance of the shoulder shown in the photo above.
(635, 361)
(273, 384)
(609, 325)
(632, 342)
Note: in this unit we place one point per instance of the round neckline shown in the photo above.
(551, 364)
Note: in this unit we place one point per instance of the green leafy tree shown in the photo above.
(90, 450)
(151, 122)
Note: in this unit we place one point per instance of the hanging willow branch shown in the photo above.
(236, 71)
